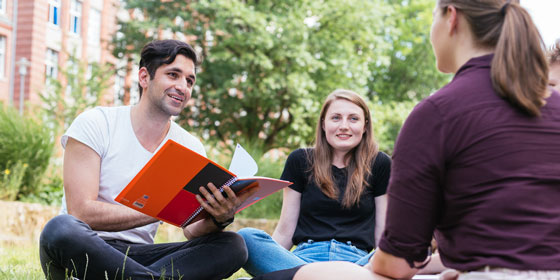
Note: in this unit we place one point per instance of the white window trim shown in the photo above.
(51, 62)
(3, 8)
(76, 8)
(3, 45)
(57, 4)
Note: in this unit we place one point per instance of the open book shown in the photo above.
(166, 186)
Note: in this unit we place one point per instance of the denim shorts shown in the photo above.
(333, 250)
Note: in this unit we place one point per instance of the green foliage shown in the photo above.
(411, 73)
(387, 119)
(84, 87)
(267, 65)
(51, 190)
(81, 87)
(11, 180)
(26, 145)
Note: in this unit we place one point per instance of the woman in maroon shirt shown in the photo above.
(476, 164)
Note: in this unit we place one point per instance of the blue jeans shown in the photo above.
(68, 247)
(265, 255)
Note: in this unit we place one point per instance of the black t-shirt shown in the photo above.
(322, 218)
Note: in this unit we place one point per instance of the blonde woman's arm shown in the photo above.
(288, 218)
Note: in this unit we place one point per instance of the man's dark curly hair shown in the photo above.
(159, 52)
(554, 53)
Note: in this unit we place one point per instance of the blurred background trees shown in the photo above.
(267, 65)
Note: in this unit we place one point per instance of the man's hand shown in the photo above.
(220, 207)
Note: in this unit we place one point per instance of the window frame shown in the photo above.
(76, 16)
(51, 63)
(54, 12)
(3, 53)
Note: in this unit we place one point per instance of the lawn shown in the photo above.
(22, 262)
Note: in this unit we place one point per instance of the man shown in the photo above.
(97, 238)
(554, 64)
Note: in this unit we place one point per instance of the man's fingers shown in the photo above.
(207, 195)
(205, 205)
(217, 193)
(229, 193)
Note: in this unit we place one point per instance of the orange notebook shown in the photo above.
(166, 186)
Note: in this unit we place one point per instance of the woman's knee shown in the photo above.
(251, 235)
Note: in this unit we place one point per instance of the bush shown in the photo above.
(11, 180)
(50, 191)
(387, 119)
(24, 144)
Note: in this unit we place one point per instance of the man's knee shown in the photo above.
(61, 231)
(236, 245)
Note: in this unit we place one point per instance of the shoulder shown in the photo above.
(94, 120)
(104, 115)
(300, 156)
(382, 159)
(301, 153)
(382, 163)
(93, 126)
(298, 161)
(469, 91)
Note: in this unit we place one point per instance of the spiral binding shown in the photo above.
(200, 208)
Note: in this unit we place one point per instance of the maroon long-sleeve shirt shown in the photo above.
(482, 174)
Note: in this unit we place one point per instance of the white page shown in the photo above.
(426, 277)
(242, 164)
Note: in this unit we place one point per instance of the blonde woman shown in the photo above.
(335, 210)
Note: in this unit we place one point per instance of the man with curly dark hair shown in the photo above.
(554, 70)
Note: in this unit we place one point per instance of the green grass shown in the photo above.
(22, 262)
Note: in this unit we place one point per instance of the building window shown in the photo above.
(51, 64)
(2, 56)
(2, 6)
(54, 12)
(94, 27)
(75, 17)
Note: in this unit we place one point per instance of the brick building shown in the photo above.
(46, 32)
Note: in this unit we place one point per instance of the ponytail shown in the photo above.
(519, 67)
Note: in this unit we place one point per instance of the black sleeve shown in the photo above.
(295, 170)
(381, 171)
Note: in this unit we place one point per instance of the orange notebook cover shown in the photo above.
(166, 186)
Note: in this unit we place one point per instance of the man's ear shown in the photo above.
(143, 78)
(452, 19)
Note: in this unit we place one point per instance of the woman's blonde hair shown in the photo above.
(519, 68)
(360, 159)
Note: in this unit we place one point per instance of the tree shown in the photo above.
(411, 73)
(267, 65)
(81, 87)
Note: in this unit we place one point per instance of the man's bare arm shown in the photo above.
(81, 173)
